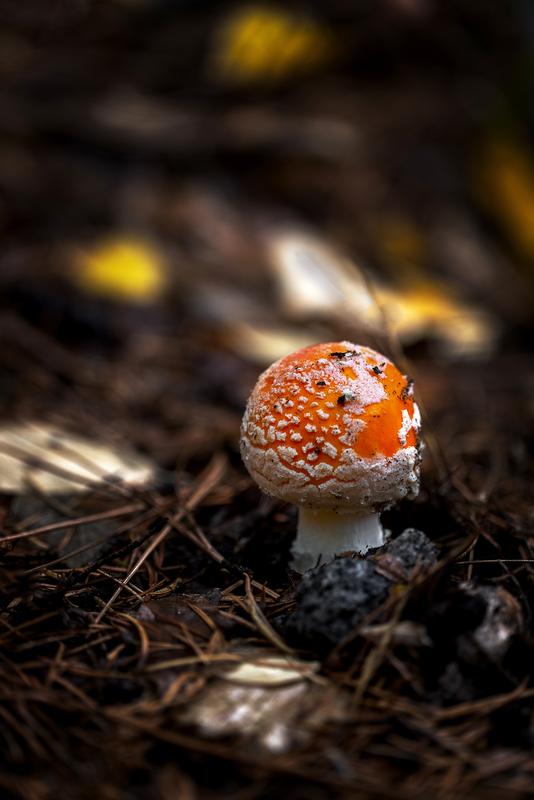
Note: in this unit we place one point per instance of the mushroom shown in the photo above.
(333, 428)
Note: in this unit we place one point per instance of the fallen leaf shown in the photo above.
(265, 344)
(259, 43)
(504, 182)
(271, 671)
(314, 281)
(124, 269)
(53, 461)
(269, 717)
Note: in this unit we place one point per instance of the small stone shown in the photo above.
(476, 633)
(502, 619)
(411, 549)
(333, 600)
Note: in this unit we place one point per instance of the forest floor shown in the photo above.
(125, 608)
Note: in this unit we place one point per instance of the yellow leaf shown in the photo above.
(124, 269)
(258, 43)
(504, 181)
(429, 309)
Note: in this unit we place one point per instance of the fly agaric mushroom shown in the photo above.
(333, 428)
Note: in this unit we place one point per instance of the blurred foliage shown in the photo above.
(402, 243)
(126, 269)
(267, 44)
(505, 184)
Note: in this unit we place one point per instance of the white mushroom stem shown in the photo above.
(323, 534)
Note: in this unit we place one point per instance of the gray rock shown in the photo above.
(333, 600)
(411, 549)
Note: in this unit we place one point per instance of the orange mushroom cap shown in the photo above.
(334, 426)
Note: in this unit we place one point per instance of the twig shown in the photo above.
(205, 483)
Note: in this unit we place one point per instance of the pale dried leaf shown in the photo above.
(314, 280)
(263, 344)
(54, 461)
(271, 671)
(273, 718)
